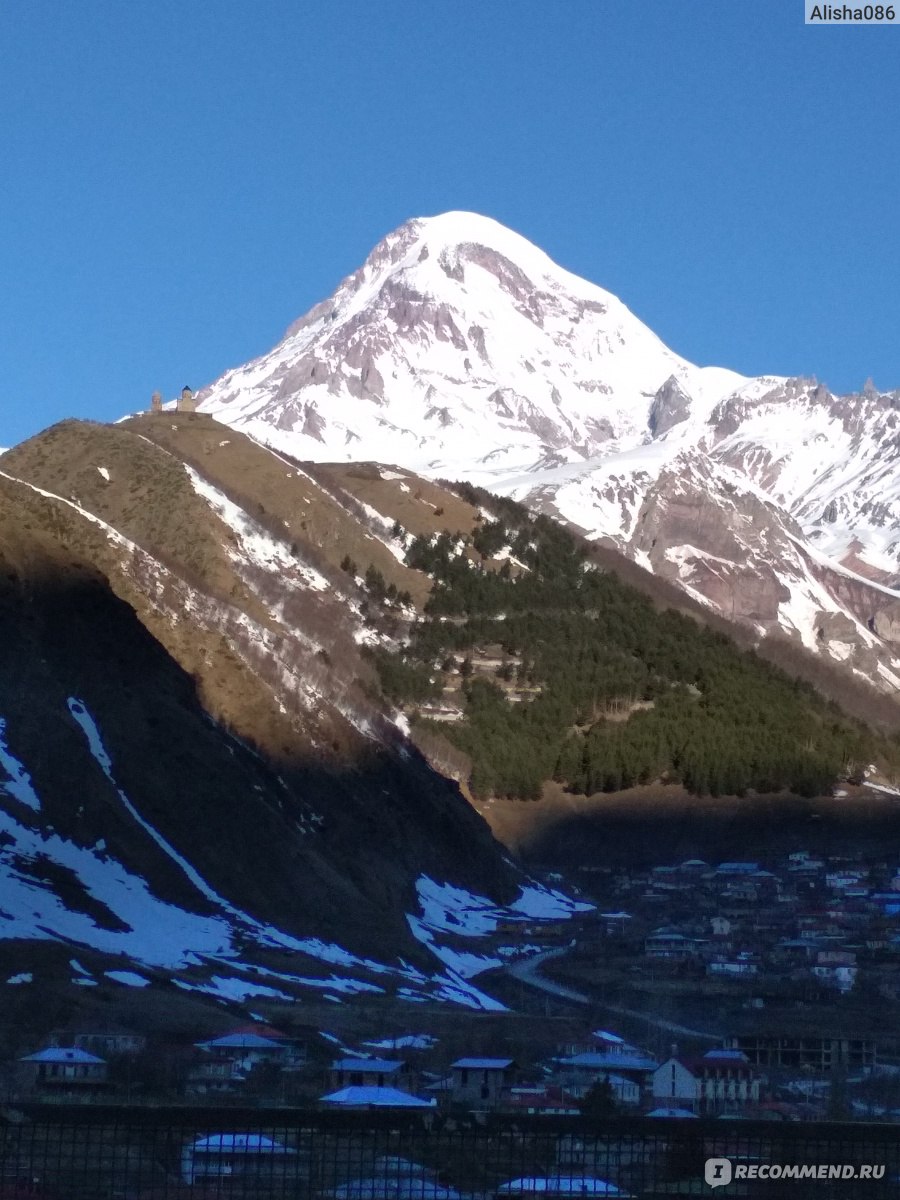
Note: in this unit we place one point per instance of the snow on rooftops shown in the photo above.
(375, 1097)
(381, 1066)
(256, 1143)
(62, 1054)
(482, 1064)
(613, 1061)
(559, 1185)
(392, 1187)
(241, 1041)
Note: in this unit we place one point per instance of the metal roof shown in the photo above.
(483, 1064)
(381, 1066)
(62, 1054)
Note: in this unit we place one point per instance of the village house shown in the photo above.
(742, 964)
(371, 1073)
(720, 1081)
(233, 1158)
(676, 1085)
(837, 968)
(546, 1099)
(480, 1080)
(225, 1062)
(579, 1072)
(626, 1092)
(672, 945)
(63, 1070)
(108, 1042)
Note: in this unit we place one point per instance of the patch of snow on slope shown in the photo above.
(112, 534)
(452, 909)
(19, 785)
(456, 990)
(461, 962)
(548, 904)
(224, 988)
(880, 787)
(154, 932)
(266, 934)
(128, 978)
(79, 711)
(257, 545)
(406, 1041)
(447, 909)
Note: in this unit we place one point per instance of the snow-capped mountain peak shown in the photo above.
(458, 332)
(460, 349)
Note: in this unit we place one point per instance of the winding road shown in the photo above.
(527, 970)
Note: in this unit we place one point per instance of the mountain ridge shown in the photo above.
(460, 350)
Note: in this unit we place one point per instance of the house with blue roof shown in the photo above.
(64, 1071)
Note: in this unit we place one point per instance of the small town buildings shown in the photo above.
(676, 1084)
(547, 1099)
(225, 1062)
(108, 1042)
(671, 944)
(820, 1052)
(480, 1080)
(733, 967)
(719, 1081)
(234, 1157)
(367, 1096)
(371, 1073)
(836, 975)
(559, 1187)
(63, 1070)
(580, 1071)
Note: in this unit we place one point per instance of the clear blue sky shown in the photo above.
(180, 179)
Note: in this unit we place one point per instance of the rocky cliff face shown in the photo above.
(460, 350)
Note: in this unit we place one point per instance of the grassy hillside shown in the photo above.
(225, 742)
(291, 499)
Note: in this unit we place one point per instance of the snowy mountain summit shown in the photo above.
(458, 333)
(460, 350)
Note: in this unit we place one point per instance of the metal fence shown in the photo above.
(92, 1153)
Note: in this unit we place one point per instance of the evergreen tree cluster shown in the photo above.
(615, 693)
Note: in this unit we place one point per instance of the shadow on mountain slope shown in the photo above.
(317, 842)
(661, 825)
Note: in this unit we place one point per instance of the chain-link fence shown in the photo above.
(93, 1153)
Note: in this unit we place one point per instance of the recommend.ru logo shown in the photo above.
(717, 1171)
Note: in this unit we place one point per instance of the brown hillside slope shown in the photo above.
(278, 493)
(70, 595)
